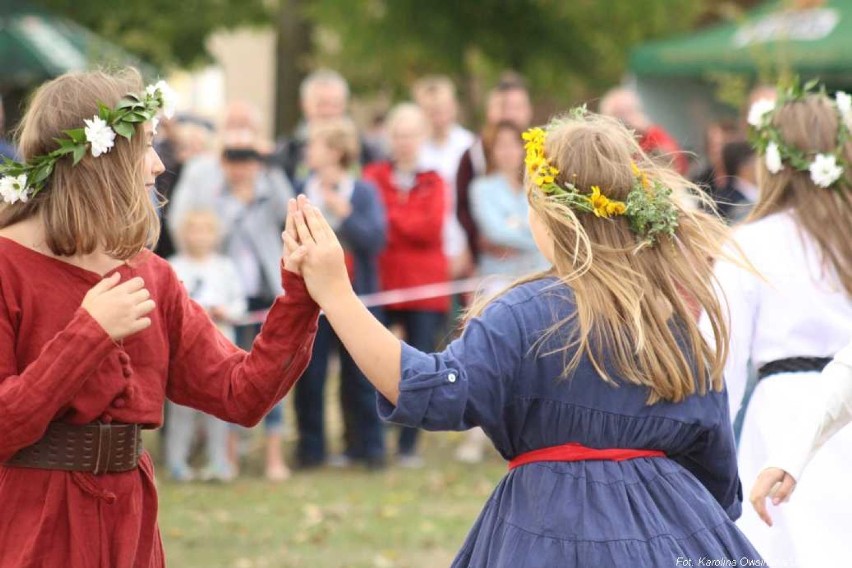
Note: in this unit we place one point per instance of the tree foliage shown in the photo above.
(571, 50)
(163, 32)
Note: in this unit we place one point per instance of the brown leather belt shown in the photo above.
(95, 448)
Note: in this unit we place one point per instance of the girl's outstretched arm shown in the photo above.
(375, 349)
(467, 384)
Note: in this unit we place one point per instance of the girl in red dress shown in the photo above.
(96, 332)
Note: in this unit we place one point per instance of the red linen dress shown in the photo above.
(57, 363)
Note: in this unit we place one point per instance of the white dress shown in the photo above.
(796, 308)
(824, 414)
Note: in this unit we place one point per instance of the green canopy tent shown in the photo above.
(674, 76)
(36, 45)
(809, 41)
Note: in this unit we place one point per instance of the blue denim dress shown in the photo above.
(649, 512)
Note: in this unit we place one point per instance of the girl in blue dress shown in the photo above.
(591, 379)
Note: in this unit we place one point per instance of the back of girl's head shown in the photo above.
(810, 126)
(100, 202)
(636, 299)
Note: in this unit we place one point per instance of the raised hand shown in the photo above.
(292, 254)
(120, 309)
(771, 481)
(319, 255)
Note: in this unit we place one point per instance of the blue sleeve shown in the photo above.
(714, 462)
(468, 384)
(366, 228)
(492, 223)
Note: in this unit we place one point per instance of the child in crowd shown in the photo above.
(355, 211)
(96, 331)
(591, 379)
(212, 281)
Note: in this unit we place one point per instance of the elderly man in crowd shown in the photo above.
(323, 95)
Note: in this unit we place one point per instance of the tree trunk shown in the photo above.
(292, 57)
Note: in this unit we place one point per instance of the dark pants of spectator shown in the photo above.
(421, 330)
(363, 431)
(273, 422)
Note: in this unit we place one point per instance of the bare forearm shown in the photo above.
(375, 349)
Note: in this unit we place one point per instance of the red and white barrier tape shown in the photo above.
(425, 292)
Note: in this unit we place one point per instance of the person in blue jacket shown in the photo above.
(354, 209)
(592, 379)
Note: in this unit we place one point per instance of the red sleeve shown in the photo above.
(31, 399)
(421, 219)
(208, 372)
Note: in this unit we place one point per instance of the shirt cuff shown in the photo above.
(828, 410)
(432, 395)
(294, 287)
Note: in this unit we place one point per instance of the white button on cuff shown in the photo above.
(451, 377)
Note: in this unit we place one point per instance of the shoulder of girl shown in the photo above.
(535, 292)
(155, 266)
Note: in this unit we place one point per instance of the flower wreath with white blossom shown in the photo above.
(827, 170)
(21, 181)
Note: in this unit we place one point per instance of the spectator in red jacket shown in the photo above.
(414, 201)
(624, 104)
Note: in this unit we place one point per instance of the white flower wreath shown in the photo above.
(20, 181)
(826, 169)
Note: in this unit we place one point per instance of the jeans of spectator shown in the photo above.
(421, 332)
(363, 430)
(273, 422)
(182, 423)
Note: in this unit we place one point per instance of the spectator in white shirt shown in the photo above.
(442, 151)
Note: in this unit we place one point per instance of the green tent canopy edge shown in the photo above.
(809, 41)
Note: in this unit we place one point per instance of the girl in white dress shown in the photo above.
(791, 318)
(825, 414)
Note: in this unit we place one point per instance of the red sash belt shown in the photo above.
(578, 452)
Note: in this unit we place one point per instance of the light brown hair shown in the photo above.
(810, 125)
(100, 202)
(340, 135)
(635, 303)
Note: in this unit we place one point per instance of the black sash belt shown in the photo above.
(793, 365)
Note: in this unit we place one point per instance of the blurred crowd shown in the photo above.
(418, 199)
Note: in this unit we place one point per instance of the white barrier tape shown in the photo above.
(425, 292)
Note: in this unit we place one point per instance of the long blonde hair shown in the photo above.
(101, 202)
(810, 125)
(636, 304)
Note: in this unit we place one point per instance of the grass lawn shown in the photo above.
(329, 518)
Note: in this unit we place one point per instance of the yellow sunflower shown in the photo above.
(603, 206)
